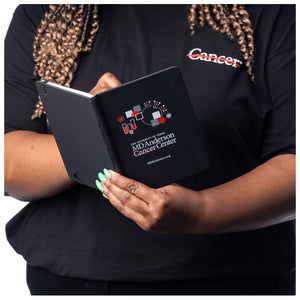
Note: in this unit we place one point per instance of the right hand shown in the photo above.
(106, 82)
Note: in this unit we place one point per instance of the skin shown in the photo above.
(265, 196)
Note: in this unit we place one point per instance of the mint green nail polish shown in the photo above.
(101, 177)
(99, 185)
(104, 196)
(106, 173)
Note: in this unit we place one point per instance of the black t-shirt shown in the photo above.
(79, 233)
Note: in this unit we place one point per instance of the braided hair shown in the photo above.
(65, 32)
(68, 30)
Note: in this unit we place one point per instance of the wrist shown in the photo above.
(205, 216)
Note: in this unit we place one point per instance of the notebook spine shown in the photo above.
(106, 136)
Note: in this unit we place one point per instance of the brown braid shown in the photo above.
(65, 32)
(232, 22)
(68, 30)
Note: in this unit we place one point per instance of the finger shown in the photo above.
(106, 82)
(134, 187)
(126, 210)
(127, 199)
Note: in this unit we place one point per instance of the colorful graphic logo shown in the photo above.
(150, 113)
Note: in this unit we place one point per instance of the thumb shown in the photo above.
(106, 82)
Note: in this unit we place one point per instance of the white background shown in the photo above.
(12, 265)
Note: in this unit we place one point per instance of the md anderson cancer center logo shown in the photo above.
(198, 54)
(151, 113)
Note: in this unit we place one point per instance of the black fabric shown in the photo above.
(78, 233)
(42, 282)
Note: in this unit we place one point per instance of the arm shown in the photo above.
(33, 166)
(265, 196)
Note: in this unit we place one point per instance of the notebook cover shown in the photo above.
(153, 128)
(77, 132)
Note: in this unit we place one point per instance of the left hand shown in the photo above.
(170, 209)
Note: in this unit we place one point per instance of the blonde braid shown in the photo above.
(61, 37)
(243, 17)
(201, 16)
(232, 22)
(192, 16)
(209, 18)
(224, 21)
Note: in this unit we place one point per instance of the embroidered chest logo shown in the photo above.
(151, 113)
(198, 54)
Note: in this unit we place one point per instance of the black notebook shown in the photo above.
(144, 129)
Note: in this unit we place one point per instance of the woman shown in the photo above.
(228, 230)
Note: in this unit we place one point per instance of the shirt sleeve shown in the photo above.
(279, 134)
(20, 91)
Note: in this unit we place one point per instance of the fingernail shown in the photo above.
(106, 173)
(99, 185)
(101, 177)
(104, 196)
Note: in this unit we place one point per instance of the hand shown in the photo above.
(107, 81)
(170, 209)
(263, 197)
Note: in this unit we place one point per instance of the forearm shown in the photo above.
(33, 166)
(263, 197)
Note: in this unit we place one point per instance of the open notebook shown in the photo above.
(144, 129)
